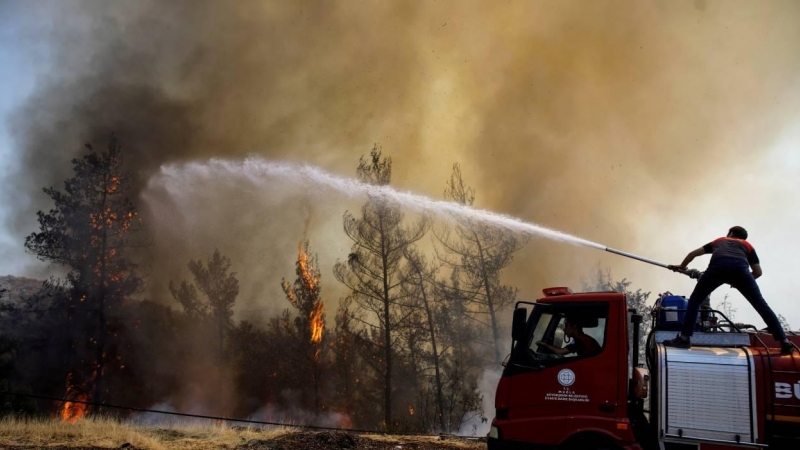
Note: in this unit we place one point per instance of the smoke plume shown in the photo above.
(587, 117)
(558, 113)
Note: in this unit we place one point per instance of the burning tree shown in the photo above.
(309, 325)
(90, 231)
(479, 253)
(373, 270)
(220, 289)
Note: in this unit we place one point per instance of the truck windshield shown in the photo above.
(541, 326)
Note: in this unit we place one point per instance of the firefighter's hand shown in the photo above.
(676, 268)
(693, 273)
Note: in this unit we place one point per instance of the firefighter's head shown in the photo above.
(737, 232)
(572, 326)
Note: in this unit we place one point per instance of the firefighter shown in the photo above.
(732, 257)
(582, 344)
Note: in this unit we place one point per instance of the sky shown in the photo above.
(18, 67)
(648, 127)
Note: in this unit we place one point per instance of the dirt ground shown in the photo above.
(314, 441)
(346, 441)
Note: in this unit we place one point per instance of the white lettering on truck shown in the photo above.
(784, 390)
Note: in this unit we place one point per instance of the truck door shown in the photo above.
(566, 377)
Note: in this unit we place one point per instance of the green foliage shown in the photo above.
(219, 287)
(213, 280)
(91, 227)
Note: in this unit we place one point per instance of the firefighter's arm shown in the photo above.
(756, 270)
(554, 349)
(691, 256)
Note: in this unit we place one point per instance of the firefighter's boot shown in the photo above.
(678, 342)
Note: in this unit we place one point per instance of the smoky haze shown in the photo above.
(584, 117)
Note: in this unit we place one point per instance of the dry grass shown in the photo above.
(111, 433)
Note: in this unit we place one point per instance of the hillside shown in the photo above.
(12, 288)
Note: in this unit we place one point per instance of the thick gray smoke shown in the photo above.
(589, 118)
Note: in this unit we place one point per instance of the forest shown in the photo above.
(403, 350)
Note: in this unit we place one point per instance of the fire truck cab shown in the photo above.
(573, 380)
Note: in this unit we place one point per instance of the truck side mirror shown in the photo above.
(519, 325)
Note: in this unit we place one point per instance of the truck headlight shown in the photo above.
(494, 432)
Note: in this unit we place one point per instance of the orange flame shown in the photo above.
(346, 421)
(410, 410)
(71, 411)
(310, 276)
(311, 280)
(317, 324)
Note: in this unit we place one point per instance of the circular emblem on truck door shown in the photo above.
(566, 377)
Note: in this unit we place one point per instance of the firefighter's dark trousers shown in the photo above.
(735, 272)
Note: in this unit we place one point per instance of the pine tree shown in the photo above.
(309, 325)
(479, 253)
(373, 268)
(421, 284)
(220, 289)
(91, 231)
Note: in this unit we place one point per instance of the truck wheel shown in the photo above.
(584, 445)
(588, 447)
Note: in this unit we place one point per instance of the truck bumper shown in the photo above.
(502, 444)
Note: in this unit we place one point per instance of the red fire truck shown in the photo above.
(732, 390)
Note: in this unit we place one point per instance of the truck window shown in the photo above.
(596, 333)
(567, 331)
(541, 327)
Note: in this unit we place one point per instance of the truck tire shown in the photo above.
(590, 442)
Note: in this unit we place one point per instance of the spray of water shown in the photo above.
(261, 172)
